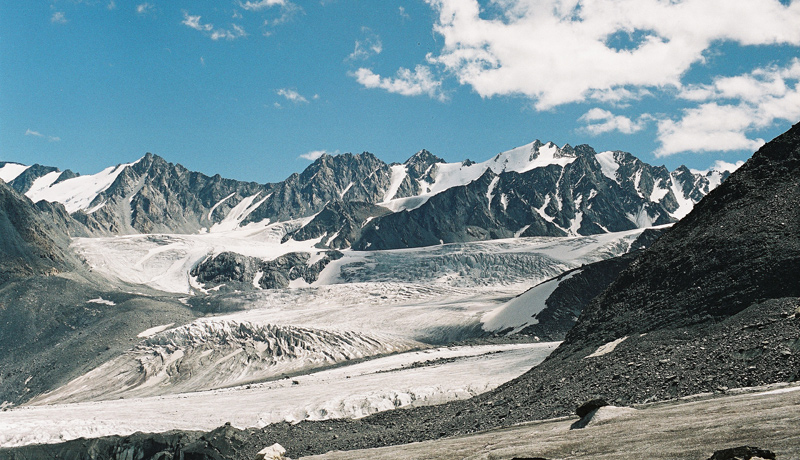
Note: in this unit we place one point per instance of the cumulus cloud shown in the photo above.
(732, 107)
(194, 22)
(407, 83)
(292, 96)
(601, 121)
(314, 154)
(562, 51)
(30, 132)
(368, 46)
(58, 18)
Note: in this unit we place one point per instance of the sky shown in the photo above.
(257, 89)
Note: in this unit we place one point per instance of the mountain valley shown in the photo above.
(361, 304)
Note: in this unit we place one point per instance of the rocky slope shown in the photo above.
(56, 316)
(712, 305)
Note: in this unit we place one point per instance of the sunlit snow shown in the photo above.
(10, 171)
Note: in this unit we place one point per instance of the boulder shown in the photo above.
(743, 453)
(273, 452)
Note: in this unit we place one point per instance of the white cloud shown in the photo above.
(226, 34)
(419, 82)
(601, 121)
(144, 8)
(561, 51)
(30, 132)
(369, 46)
(708, 128)
(730, 108)
(215, 34)
(261, 5)
(58, 18)
(403, 13)
(194, 23)
(720, 165)
(313, 155)
(111, 5)
(292, 96)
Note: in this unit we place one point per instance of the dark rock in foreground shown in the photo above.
(742, 453)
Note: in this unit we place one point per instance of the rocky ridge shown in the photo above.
(361, 202)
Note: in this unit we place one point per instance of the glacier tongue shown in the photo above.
(400, 380)
(208, 354)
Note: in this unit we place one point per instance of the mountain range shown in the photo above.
(359, 201)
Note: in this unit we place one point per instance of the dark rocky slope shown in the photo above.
(51, 330)
(713, 304)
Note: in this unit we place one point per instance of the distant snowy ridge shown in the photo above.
(208, 354)
(538, 189)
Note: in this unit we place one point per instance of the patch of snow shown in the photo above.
(316, 257)
(521, 231)
(658, 192)
(346, 189)
(541, 212)
(257, 278)
(490, 190)
(154, 330)
(685, 204)
(213, 208)
(642, 219)
(76, 193)
(637, 178)
(39, 186)
(575, 225)
(399, 173)
(93, 209)
(521, 311)
(607, 348)
(10, 171)
(299, 283)
(101, 301)
(238, 214)
(608, 165)
(504, 201)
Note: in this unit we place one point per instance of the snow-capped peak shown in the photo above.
(78, 192)
(10, 171)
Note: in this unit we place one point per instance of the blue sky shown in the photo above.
(253, 90)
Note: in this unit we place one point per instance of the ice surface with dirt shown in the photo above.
(423, 377)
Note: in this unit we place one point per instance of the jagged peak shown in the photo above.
(423, 156)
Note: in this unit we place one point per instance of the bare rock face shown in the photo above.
(743, 453)
(244, 272)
